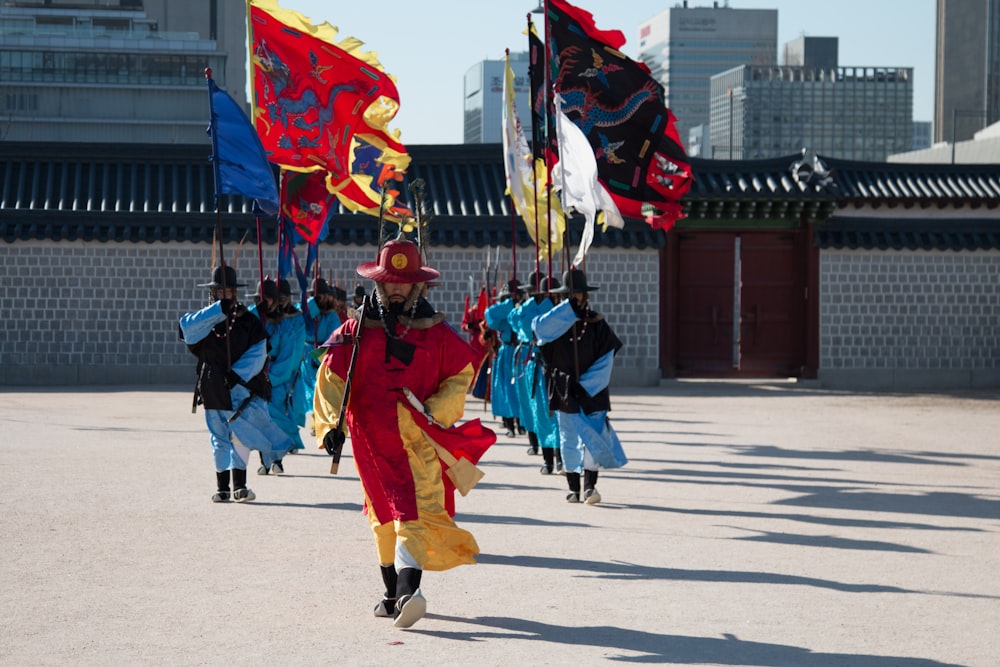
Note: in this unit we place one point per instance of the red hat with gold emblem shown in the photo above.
(398, 262)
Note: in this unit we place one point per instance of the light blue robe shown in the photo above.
(586, 440)
(503, 393)
(326, 324)
(253, 429)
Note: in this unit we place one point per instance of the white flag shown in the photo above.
(576, 175)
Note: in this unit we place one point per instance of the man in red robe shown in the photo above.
(401, 343)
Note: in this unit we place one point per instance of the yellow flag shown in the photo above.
(526, 179)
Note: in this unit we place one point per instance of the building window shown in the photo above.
(21, 102)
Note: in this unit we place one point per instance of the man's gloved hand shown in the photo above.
(233, 379)
(333, 441)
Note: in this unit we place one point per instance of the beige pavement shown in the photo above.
(756, 524)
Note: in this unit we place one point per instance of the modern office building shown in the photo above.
(483, 99)
(853, 113)
(923, 134)
(699, 141)
(684, 46)
(812, 52)
(967, 75)
(982, 148)
(129, 71)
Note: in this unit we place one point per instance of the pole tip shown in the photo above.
(208, 72)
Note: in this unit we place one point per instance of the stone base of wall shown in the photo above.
(145, 288)
(908, 380)
(34, 376)
(73, 374)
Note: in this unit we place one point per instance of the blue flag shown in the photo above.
(241, 166)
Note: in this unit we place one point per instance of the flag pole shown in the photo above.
(547, 79)
(218, 209)
(534, 157)
(513, 223)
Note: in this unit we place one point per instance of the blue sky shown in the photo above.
(429, 45)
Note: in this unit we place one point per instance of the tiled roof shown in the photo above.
(879, 233)
(895, 183)
(756, 189)
(166, 193)
(160, 193)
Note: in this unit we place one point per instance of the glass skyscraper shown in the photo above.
(853, 113)
(967, 75)
(684, 46)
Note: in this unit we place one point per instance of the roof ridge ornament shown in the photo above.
(810, 171)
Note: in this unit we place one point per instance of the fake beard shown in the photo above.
(391, 313)
(394, 347)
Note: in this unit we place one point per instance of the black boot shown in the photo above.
(410, 603)
(508, 423)
(222, 484)
(573, 480)
(550, 456)
(386, 608)
(590, 494)
(532, 443)
(241, 493)
(408, 581)
(559, 463)
(520, 429)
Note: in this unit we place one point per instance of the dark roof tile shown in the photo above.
(141, 194)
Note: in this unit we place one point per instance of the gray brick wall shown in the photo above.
(906, 319)
(106, 313)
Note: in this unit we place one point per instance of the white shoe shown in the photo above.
(591, 497)
(385, 608)
(411, 609)
(243, 495)
(277, 468)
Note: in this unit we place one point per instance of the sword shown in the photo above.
(339, 447)
(415, 402)
(243, 406)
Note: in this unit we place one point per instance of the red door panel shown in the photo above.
(705, 304)
(771, 306)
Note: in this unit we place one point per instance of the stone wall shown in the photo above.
(909, 319)
(86, 313)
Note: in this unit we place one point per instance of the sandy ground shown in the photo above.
(756, 524)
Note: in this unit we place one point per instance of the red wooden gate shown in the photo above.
(740, 304)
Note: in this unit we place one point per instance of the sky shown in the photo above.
(428, 46)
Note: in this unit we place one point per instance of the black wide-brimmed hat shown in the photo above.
(359, 291)
(536, 278)
(323, 287)
(574, 280)
(270, 290)
(230, 275)
(508, 288)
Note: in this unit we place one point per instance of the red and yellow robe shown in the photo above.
(405, 496)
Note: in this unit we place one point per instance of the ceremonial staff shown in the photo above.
(333, 441)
